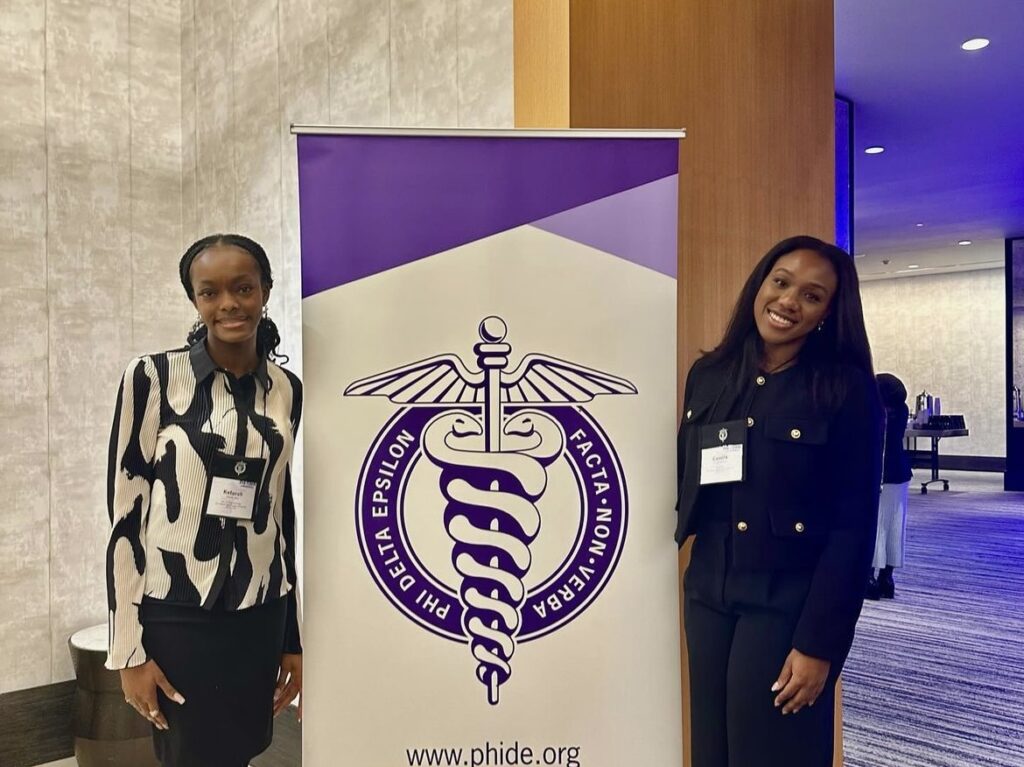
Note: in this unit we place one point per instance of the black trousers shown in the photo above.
(739, 630)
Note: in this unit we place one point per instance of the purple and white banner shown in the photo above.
(489, 365)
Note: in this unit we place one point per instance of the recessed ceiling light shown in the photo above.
(918, 224)
(913, 266)
(975, 44)
(964, 242)
(874, 150)
(858, 255)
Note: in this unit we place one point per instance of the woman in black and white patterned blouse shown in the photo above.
(201, 582)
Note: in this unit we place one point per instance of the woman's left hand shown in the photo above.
(289, 683)
(801, 681)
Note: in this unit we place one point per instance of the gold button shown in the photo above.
(742, 527)
(760, 380)
(795, 434)
(689, 414)
(799, 527)
(750, 422)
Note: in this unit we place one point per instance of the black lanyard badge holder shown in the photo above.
(723, 452)
(233, 482)
(232, 487)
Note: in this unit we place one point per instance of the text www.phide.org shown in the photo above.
(489, 755)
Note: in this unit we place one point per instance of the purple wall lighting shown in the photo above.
(844, 174)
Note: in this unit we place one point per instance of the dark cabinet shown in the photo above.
(1014, 478)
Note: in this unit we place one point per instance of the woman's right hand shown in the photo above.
(139, 685)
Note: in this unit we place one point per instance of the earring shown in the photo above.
(195, 332)
(821, 325)
(265, 311)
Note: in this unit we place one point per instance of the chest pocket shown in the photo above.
(798, 464)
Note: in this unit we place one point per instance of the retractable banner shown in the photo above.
(489, 335)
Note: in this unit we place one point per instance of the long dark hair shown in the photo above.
(841, 342)
(267, 336)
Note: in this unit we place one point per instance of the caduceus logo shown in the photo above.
(525, 475)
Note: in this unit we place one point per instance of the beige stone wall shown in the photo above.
(90, 230)
(127, 129)
(24, 517)
(251, 68)
(946, 333)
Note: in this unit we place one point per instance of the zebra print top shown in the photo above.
(175, 410)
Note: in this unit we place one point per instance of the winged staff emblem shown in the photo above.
(491, 513)
(445, 379)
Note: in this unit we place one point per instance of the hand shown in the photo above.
(801, 681)
(139, 685)
(289, 683)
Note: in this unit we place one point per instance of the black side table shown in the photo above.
(106, 729)
(935, 435)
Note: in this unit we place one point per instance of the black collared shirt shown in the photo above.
(176, 410)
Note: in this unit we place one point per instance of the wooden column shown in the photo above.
(752, 83)
(541, 55)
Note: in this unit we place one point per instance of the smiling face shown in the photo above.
(229, 294)
(795, 296)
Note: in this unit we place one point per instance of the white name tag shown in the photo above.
(721, 464)
(231, 498)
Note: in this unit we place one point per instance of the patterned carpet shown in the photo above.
(936, 676)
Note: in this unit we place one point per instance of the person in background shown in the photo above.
(780, 455)
(201, 579)
(892, 505)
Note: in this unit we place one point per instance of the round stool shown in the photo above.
(108, 732)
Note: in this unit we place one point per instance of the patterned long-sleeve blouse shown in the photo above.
(175, 412)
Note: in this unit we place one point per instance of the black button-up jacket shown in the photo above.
(810, 498)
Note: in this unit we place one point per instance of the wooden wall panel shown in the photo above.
(541, 55)
(35, 724)
(752, 83)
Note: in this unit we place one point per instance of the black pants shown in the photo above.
(739, 630)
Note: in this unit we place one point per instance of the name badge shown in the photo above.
(722, 455)
(233, 487)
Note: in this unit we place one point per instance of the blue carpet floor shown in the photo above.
(936, 676)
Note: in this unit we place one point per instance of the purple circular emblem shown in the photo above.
(491, 518)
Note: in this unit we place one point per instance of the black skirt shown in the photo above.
(225, 664)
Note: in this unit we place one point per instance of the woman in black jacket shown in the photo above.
(779, 468)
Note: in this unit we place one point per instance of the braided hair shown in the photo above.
(267, 336)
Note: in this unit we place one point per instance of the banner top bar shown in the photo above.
(344, 130)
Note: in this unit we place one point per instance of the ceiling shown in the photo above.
(887, 264)
(951, 122)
